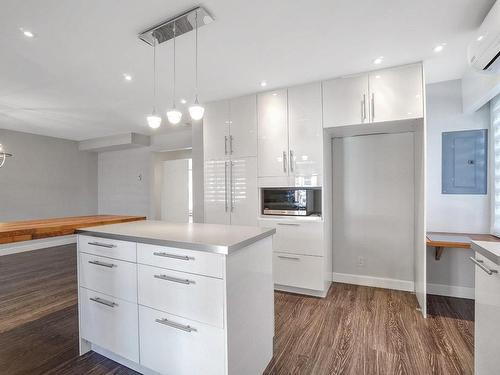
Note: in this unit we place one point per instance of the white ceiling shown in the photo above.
(68, 81)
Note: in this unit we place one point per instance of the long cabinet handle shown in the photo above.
(291, 161)
(290, 224)
(231, 144)
(373, 106)
(173, 256)
(480, 264)
(231, 183)
(225, 145)
(103, 301)
(287, 257)
(107, 245)
(225, 186)
(174, 279)
(182, 327)
(284, 161)
(102, 264)
(364, 108)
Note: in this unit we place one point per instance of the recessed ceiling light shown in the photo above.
(183, 101)
(378, 60)
(480, 37)
(263, 83)
(275, 94)
(127, 77)
(377, 76)
(438, 48)
(27, 33)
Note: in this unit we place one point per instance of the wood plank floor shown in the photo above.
(354, 330)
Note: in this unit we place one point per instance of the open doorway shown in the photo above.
(177, 191)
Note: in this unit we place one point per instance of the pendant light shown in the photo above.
(196, 110)
(3, 155)
(154, 121)
(174, 115)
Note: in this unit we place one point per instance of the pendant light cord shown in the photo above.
(175, 30)
(196, 56)
(154, 74)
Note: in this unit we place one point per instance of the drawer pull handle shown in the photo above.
(107, 245)
(290, 224)
(174, 279)
(103, 301)
(169, 323)
(480, 264)
(102, 264)
(285, 257)
(173, 256)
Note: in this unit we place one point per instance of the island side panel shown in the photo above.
(250, 308)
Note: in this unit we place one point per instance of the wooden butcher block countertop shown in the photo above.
(16, 231)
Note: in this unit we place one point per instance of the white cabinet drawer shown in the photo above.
(181, 260)
(173, 345)
(191, 296)
(105, 247)
(109, 276)
(296, 237)
(298, 271)
(110, 323)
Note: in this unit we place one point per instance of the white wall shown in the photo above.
(125, 182)
(449, 212)
(122, 191)
(478, 89)
(47, 177)
(373, 207)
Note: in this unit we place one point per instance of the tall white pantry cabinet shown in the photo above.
(283, 138)
(230, 157)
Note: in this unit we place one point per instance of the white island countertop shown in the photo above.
(490, 250)
(215, 238)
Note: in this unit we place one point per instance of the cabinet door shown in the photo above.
(174, 345)
(396, 93)
(244, 193)
(272, 133)
(216, 192)
(243, 126)
(216, 130)
(487, 324)
(109, 322)
(305, 130)
(345, 101)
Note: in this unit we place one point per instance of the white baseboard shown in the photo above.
(450, 291)
(377, 282)
(309, 292)
(23, 246)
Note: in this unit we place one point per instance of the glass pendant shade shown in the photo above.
(154, 121)
(196, 111)
(174, 116)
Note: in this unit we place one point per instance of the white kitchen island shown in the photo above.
(166, 298)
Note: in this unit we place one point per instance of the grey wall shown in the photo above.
(451, 213)
(373, 206)
(125, 184)
(47, 177)
(129, 180)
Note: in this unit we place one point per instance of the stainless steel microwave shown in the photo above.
(287, 201)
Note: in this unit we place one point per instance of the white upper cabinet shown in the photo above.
(396, 93)
(305, 130)
(216, 130)
(345, 101)
(272, 133)
(385, 95)
(243, 126)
